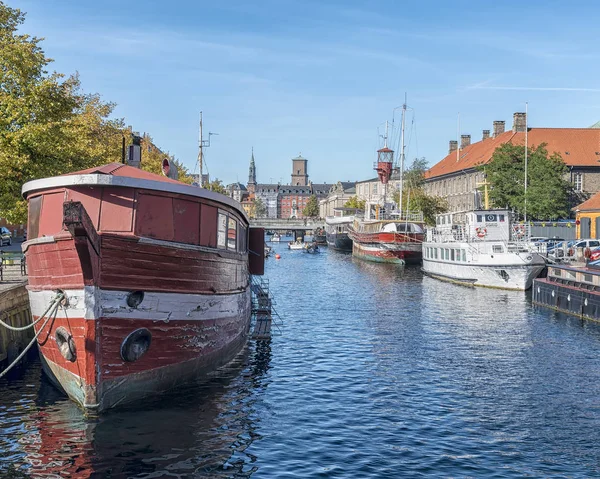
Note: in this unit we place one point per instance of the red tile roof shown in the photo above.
(118, 169)
(576, 146)
(592, 203)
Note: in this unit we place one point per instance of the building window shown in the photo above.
(578, 182)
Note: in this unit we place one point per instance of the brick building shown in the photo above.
(456, 177)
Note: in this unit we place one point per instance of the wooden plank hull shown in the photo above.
(192, 334)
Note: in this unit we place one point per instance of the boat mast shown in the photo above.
(526, 122)
(402, 156)
(385, 146)
(200, 157)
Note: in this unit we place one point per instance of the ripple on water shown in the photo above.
(380, 372)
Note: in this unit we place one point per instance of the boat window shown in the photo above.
(446, 253)
(35, 206)
(222, 231)
(588, 278)
(497, 248)
(501, 218)
(557, 272)
(479, 218)
(452, 255)
(232, 234)
(242, 238)
(464, 255)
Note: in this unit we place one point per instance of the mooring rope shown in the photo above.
(52, 310)
(23, 328)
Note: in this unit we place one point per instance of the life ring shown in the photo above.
(481, 232)
(519, 230)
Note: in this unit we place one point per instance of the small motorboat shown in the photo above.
(275, 238)
(312, 248)
(296, 245)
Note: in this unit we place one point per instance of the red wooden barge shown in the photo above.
(155, 275)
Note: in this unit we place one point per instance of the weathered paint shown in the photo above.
(196, 297)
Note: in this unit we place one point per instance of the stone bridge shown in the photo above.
(287, 224)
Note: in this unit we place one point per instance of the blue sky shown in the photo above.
(322, 77)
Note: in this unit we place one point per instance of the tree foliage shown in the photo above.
(414, 197)
(354, 202)
(547, 189)
(259, 208)
(216, 185)
(48, 126)
(311, 210)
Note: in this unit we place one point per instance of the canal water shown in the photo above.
(379, 372)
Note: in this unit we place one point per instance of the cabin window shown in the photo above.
(497, 248)
(242, 238)
(452, 255)
(588, 278)
(446, 254)
(464, 255)
(208, 226)
(186, 221)
(479, 219)
(557, 272)
(501, 218)
(153, 218)
(116, 212)
(33, 226)
(222, 231)
(51, 216)
(232, 234)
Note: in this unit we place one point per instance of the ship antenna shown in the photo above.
(402, 156)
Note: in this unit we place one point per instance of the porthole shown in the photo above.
(135, 298)
(66, 344)
(136, 344)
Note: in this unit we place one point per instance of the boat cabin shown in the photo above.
(491, 225)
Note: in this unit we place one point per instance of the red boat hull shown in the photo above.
(143, 313)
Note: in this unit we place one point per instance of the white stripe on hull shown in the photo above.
(518, 277)
(93, 303)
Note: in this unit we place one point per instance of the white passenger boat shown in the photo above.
(481, 248)
(275, 238)
(296, 245)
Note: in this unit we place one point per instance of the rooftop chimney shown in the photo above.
(452, 146)
(498, 128)
(519, 122)
(486, 134)
(465, 140)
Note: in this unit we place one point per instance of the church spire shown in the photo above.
(252, 174)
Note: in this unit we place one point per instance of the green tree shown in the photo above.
(311, 210)
(47, 125)
(153, 156)
(216, 185)
(259, 208)
(354, 202)
(547, 188)
(414, 197)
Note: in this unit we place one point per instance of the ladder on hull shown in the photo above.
(263, 311)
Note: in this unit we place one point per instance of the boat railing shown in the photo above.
(413, 216)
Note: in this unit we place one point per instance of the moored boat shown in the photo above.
(336, 231)
(154, 276)
(296, 245)
(276, 238)
(319, 236)
(388, 240)
(387, 234)
(481, 248)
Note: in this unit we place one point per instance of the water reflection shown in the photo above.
(198, 431)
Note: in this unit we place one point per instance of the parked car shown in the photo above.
(5, 236)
